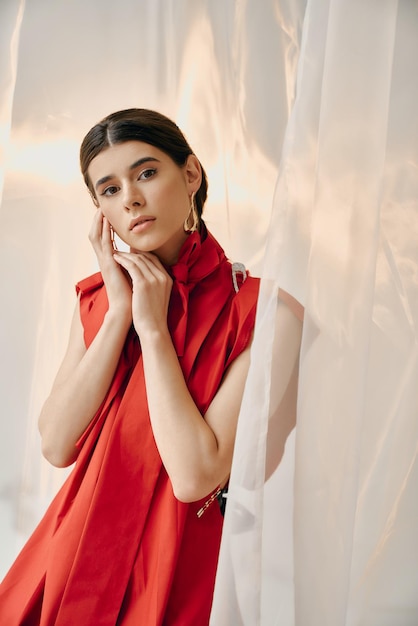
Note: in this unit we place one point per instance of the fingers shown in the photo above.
(108, 244)
(144, 264)
(97, 225)
(151, 288)
(101, 237)
(100, 230)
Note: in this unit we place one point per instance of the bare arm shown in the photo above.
(79, 388)
(196, 452)
(85, 375)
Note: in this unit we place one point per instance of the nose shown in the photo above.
(132, 198)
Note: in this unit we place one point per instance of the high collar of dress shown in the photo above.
(199, 256)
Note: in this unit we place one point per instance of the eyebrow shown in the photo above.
(137, 163)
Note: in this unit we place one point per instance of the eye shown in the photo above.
(148, 173)
(110, 191)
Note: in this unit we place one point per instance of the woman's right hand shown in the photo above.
(85, 374)
(116, 279)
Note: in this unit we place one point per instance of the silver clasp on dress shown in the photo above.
(238, 268)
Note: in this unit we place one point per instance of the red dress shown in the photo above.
(115, 546)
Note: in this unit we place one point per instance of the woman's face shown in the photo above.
(145, 196)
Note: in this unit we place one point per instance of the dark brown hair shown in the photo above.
(139, 125)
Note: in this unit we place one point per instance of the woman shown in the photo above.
(146, 400)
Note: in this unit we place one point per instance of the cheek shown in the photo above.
(178, 201)
(107, 211)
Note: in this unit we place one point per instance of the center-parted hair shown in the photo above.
(139, 125)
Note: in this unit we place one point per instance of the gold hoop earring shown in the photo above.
(191, 222)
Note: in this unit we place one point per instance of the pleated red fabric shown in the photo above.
(116, 547)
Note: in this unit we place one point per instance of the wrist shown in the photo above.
(154, 338)
(120, 316)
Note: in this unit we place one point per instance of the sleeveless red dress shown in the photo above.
(116, 547)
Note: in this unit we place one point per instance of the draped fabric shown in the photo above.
(331, 537)
(116, 546)
(304, 116)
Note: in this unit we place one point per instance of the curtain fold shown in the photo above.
(12, 20)
(340, 509)
(303, 114)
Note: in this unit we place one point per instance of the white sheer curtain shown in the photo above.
(331, 537)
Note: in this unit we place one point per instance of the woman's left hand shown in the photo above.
(151, 286)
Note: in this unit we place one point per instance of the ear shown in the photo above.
(193, 173)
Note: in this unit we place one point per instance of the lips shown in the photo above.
(139, 222)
